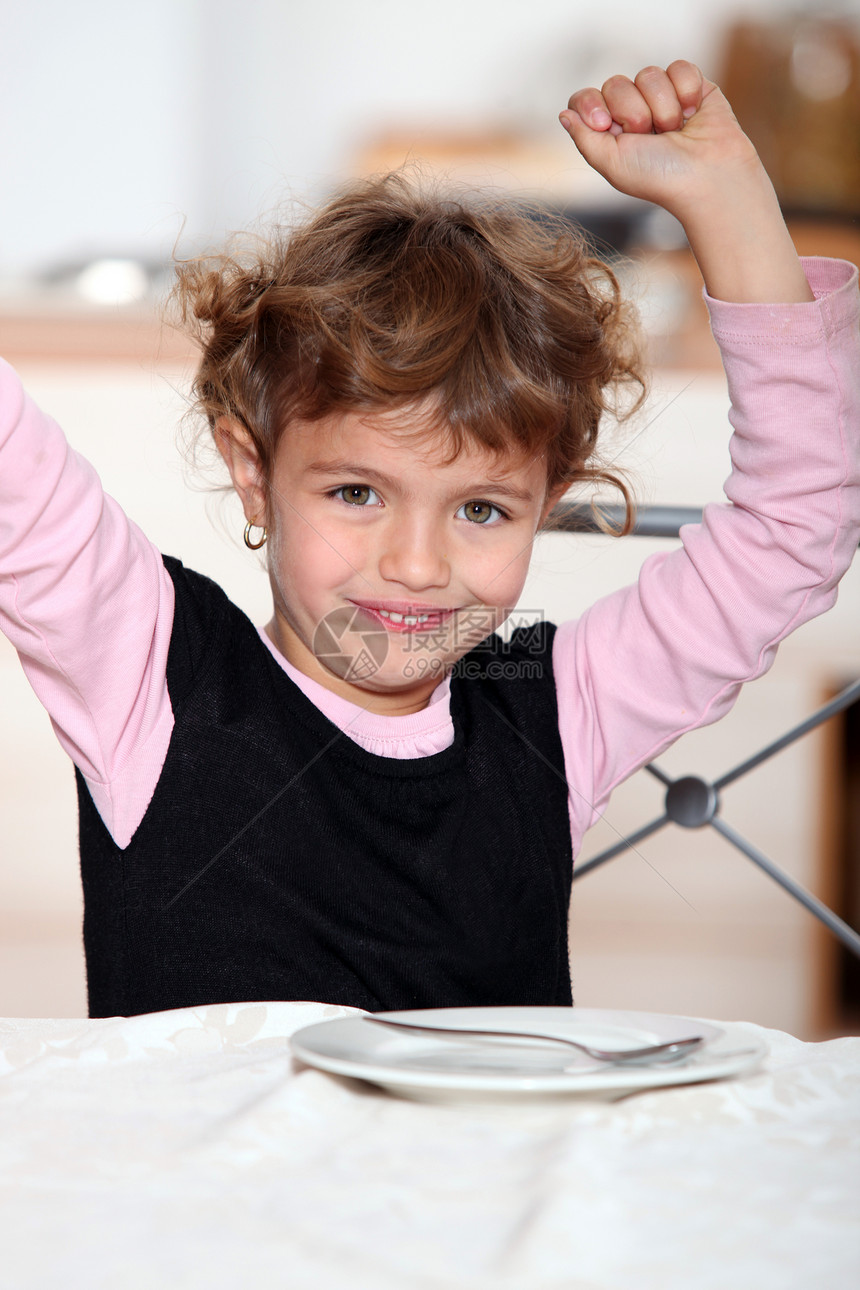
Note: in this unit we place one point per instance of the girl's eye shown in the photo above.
(357, 495)
(481, 512)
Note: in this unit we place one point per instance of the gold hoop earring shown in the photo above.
(254, 546)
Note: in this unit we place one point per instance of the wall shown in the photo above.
(126, 124)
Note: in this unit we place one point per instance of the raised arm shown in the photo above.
(669, 654)
(88, 605)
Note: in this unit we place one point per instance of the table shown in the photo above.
(188, 1149)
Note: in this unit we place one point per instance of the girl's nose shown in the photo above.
(413, 557)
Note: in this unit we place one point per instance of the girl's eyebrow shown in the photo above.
(352, 468)
(357, 470)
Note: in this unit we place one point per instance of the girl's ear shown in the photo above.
(552, 500)
(243, 462)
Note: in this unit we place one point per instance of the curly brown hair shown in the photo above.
(392, 294)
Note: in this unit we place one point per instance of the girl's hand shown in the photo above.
(668, 137)
(671, 138)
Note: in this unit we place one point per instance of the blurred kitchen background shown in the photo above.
(132, 131)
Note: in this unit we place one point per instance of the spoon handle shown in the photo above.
(670, 1051)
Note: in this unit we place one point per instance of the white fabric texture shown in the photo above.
(188, 1149)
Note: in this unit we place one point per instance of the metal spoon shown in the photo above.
(654, 1054)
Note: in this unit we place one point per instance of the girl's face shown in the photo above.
(388, 563)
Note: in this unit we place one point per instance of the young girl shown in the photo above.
(374, 801)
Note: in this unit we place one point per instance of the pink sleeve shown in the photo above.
(648, 663)
(88, 605)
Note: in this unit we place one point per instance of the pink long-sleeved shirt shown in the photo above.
(86, 601)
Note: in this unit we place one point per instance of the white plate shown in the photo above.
(450, 1067)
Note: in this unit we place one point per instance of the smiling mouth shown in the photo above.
(410, 622)
(420, 620)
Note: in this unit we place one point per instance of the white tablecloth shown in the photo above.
(187, 1149)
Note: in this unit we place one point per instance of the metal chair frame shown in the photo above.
(692, 802)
